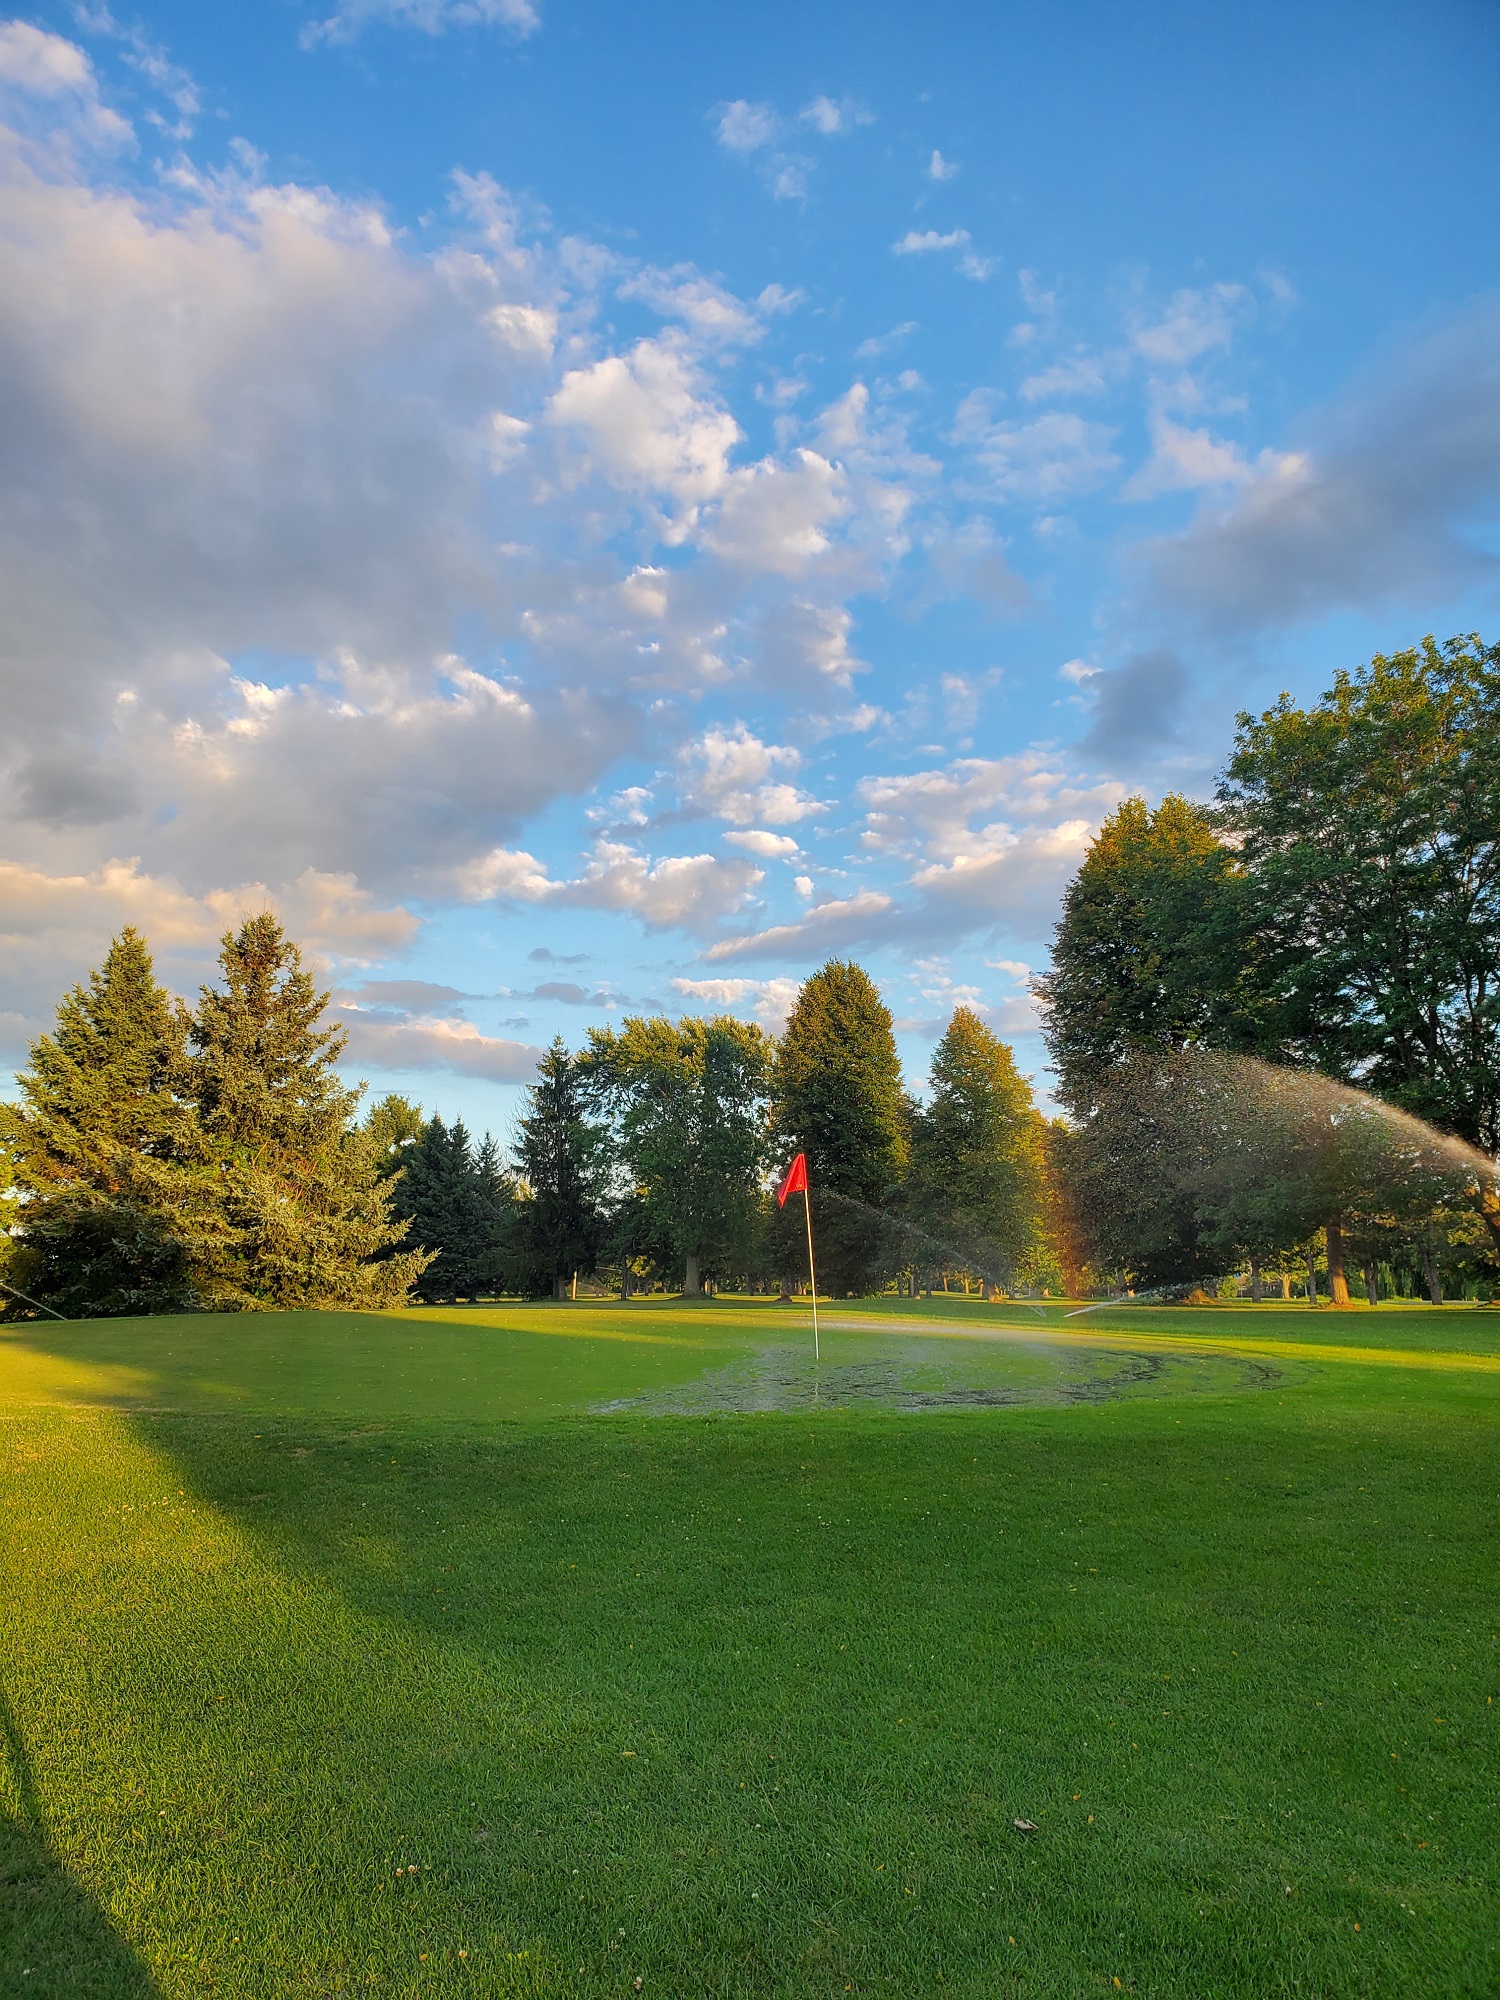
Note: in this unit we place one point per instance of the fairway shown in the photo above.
(577, 1650)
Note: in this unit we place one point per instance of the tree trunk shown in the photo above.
(1338, 1282)
(1255, 1288)
(573, 1288)
(624, 1286)
(691, 1284)
(1286, 1286)
(1434, 1275)
(1312, 1282)
(1372, 1284)
(784, 1290)
(559, 1288)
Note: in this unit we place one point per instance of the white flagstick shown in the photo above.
(811, 1268)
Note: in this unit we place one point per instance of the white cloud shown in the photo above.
(826, 927)
(1079, 375)
(939, 169)
(768, 846)
(428, 1044)
(773, 999)
(430, 17)
(834, 119)
(923, 242)
(731, 774)
(746, 128)
(650, 426)
(686, 892)
(1183, 460)
(1194, 322)
(41, 66)
(715, 316)
(1045, 459)
(775, 516)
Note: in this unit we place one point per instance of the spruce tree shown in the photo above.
(106, 1150)
(978, 1172)
(395, 1125)
(455, 1203)
(562, 1156)
(308, 1212)
(838, 1098)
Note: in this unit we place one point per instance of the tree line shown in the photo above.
(1275, 1016)
(167, 1158)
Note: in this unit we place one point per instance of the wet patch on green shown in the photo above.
(913, 1378)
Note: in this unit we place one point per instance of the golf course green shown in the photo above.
(599, 1649)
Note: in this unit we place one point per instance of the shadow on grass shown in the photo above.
(54, 1938)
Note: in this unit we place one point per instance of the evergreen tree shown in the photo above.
(689, 1103)
(839, 1099)
(455, 1201)
(978, 1170)
(107, 1152)
(307, 1210)
(562, 1156)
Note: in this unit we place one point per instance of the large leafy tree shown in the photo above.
(304, 1201)
(838, 1097)
(562, 1155)
(107, 1152)
(978, 1167)
(1153, 949)
(1368, 829)
(688, 1102)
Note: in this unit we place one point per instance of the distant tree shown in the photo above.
(688, 1102)
(838, 1097)
(457, 1203)
(562, 1157)
(105, 1150)
(306, 1207)
(1153, 950)
(978, 1166)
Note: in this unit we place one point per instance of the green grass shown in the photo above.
(747, 1704)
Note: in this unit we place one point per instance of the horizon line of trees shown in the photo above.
(167, 1158)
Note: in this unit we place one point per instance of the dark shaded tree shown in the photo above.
(563, 1159)
(458, 1203)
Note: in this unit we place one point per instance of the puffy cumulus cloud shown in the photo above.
(49, 92)
(731, 774)
(651, 427)
(830, 926)
(675, 892)
(770, 1000)
(1047, 458)
(970, 808)
(775, 517)
(435, 1044)
(430, 17)
(1389, 495)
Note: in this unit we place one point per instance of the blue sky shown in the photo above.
(588, 508)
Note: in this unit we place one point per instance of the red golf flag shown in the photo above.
(795, 1182)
